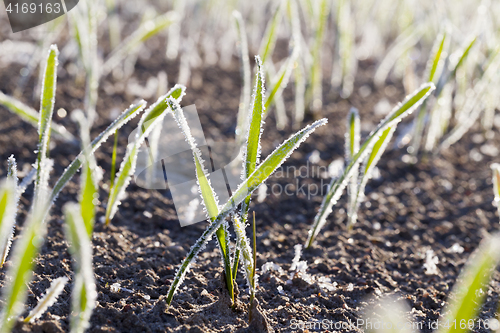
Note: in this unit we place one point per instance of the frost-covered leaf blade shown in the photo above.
(468, 292)
(8, 208)
(280, 82)
(31, 116)
(90, 177)
(50, 297)
(255, 130)
(73, 168)
(336, 187)
(150, 119)
(253, 147)
(47, 101)
(21, 271)
(208, 194)
(495, 167)
(369, 165)
(352, 140)
(260, 175)
(84, 292)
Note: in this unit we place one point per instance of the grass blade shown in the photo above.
(21, 271)
(402, 44)
(269, 41)
(73, 168)
(370, 163)
(244, 246)
(144, 32)
(90, 177)
(113, 161)
(84, 292)
(149, 120)
(208, 194)
(461, 56)
(402, 110)
(31, 116)
(315, 94)
(434, 66)
(260, 175)
(254, 269)
(466, 293)
(352, 139)
(347, 60)
(496, 184)
(473, 106)
(50, 297)
(280, 81)
(8, 209)
(246, 73)
(47, 101)
(252, 151)
(8, 214)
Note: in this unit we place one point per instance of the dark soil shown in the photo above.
(438, 202)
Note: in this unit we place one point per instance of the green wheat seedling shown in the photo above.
(9, 202)
(441, 113)
(433, 73)
(31, 240)
(461, 311)
(345, 68)
(280, 80)
(252, 181)
(113, 23)
(8, 209)
(147, 30)
(495, 167)
(299, 72)
(473, 107)
(73, 168)
(252, 151)
(149, 120)
(268, 43)
(89, 181)
(253, 279)
(357, 184)
(246, 74)
(79, 227)
(31, 116)
(84, 23)
(314, 94)
(209, 197)
(84, 292)
(50, 297)
(337, 185)
(400, 46)
(352, 140)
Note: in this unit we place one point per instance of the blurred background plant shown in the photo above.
(318, 36)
